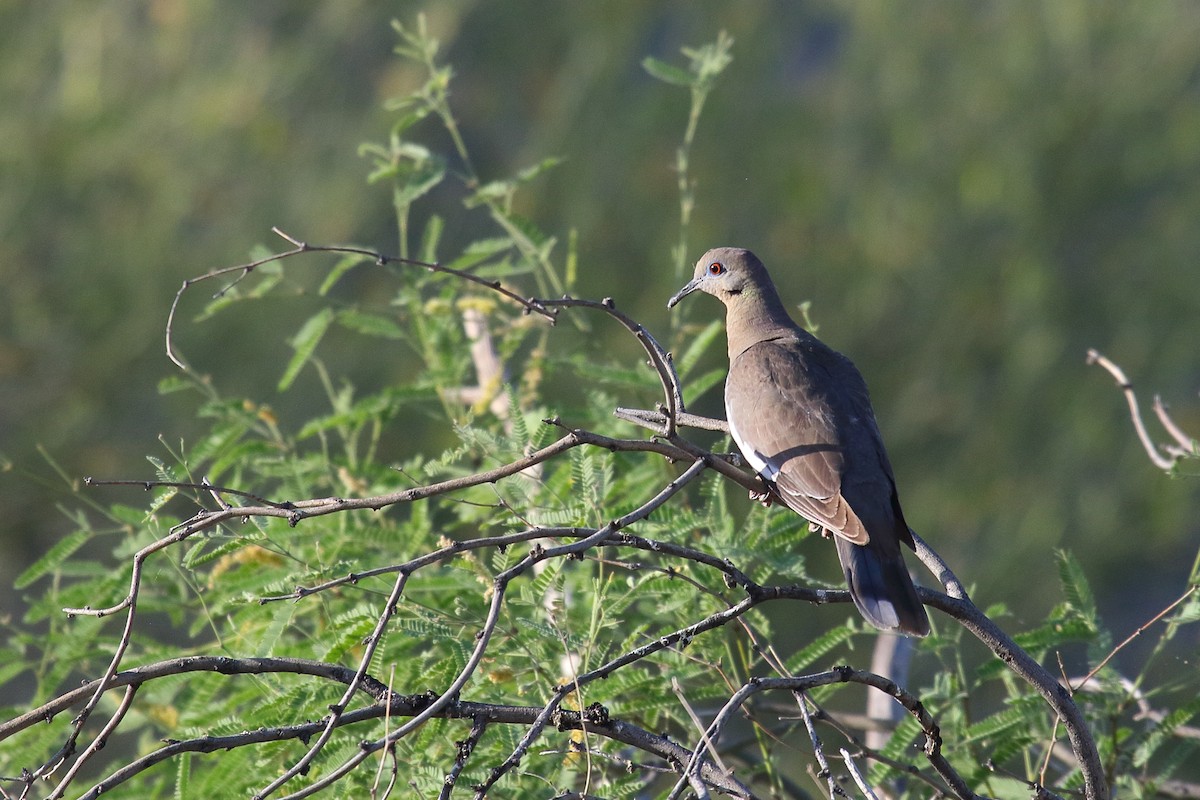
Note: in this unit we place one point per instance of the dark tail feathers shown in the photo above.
(881, 587)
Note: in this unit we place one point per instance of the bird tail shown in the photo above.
(881, 587)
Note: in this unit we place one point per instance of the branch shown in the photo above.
(482, 714)
(1187, 447)
(483, 636)
(660, 359)
(1057, 696)
(800, 684)
(223, 665)
(244, 270)
(698, 769)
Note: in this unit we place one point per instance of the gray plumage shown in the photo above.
(801, 415)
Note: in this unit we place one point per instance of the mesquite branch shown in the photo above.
(365, 698)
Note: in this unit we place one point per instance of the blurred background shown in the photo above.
(971, 195)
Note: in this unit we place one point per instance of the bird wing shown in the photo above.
(788, 401)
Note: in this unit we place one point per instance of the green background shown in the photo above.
(971, 195)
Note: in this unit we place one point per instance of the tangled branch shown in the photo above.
(695, 765)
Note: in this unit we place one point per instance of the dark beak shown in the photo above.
(692, 286)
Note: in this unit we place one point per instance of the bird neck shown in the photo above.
(755, 316)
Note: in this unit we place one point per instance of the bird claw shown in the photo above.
(765, 497)
(762, 497)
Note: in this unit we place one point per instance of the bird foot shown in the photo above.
(766, 497)
(762, 497)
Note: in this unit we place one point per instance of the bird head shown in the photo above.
(725, 273)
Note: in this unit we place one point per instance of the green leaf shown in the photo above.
(1075, 585)
(698, 386)
(431, 237)
(279, 622)
(352, 630)
(224, 435)
(698, 347)
(54, 557)
(899, 747)
(999, 722)
(416, 181)
(377, 406)
(1164, 730)
(175, 383)
(200, 553)
(480, 250)
(344, 265)
(529, 173)
(667, 73)
(1188, 612)
(161, 499)
(370, 324)
(183, 777)
(305, 343)
(818, 648)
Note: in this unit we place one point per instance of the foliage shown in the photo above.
(619, 607)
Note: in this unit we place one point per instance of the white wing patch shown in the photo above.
(761, 464)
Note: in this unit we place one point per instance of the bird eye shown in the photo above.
(716, 268)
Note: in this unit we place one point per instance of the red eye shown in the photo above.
(716, 268)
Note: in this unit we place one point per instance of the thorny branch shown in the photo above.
(694, 765)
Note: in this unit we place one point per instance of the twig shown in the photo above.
(1187, 445)
(299, 246)
(1160, 461)
(483, 637)
(617, 730)
(655, 420)
(97, 743)
(1140, 630)
(844, 723)
(660, 359)
(933, 740)
(863, 786)
(1054, 693)
(337, 709)
(464, 748)
(387, 724)
(695, 718)
(204, 485)
(818, 749)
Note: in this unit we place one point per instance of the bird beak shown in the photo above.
(692, 286)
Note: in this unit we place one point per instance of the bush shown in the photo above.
(555, 601)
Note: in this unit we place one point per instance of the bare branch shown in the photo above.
(299, 247)
(818, 749)
(859, 779)
(656, 420)
(1187, 446)
(465, 748)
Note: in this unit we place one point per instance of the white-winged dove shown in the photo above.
(801, 415)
